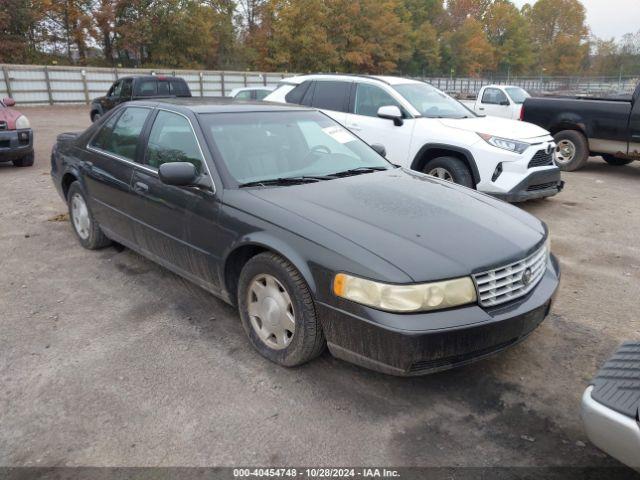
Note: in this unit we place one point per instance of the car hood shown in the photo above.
(10, 116)
(500, 127)
(429, 229)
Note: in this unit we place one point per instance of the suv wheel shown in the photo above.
(572, 150)
(84, 225)
(25, 161)
(451, 169)
(277, 311)
(615, 161)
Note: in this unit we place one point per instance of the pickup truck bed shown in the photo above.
(584, 126)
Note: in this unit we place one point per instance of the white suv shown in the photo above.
(424, 129)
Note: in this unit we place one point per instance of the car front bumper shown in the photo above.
(610, 431)
(418, 344)
(538, 184)
(15, 144)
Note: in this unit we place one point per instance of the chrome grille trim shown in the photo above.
(504, 284)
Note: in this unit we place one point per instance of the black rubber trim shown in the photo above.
(471, 162)
(617, 384)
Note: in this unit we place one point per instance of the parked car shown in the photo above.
(250, 93)
(424, 129)
(314, 235)
(16, 136)
(499, 101)
(140, 87)
(582, 126)
(611, 405)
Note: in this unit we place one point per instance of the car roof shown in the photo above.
(151, 77)
(388, 79)
(217, 105)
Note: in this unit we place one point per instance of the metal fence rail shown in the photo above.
(35, 84)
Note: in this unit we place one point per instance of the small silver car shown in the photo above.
(610, 406)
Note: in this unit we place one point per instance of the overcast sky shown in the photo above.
(608, 18)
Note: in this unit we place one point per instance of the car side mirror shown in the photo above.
(179, 174)
(380, 150)
(9, 102)
(391, 112)
(505, 103)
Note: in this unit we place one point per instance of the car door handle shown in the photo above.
(140, 187)
(481, 108)
(355, 126)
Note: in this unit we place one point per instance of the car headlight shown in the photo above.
(405, 298)
(505, 143)
(22, 122)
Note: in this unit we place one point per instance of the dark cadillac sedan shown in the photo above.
(313, 235)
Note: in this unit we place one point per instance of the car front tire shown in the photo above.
(278, 312)
(451, 169)
(84, 225)
(26, 161)
(572, 150)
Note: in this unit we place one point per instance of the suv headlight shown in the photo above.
(505, 143)
(405, 298)
(22, 122)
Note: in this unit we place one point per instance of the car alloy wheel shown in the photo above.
(565, 151)
(271, 311)
(441, 173)
(80, 216)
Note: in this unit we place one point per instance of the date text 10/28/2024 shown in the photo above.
(313, 473)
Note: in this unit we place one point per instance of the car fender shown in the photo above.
(470, 160)
(568, 121)
(269, 241)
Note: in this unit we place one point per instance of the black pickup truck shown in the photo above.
(584, 126)
(141, 87)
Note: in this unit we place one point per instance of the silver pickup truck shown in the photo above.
(610, 406)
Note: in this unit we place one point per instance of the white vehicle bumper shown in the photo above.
(610, 431)
(518, 177)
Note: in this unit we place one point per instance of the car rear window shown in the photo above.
(153, 86)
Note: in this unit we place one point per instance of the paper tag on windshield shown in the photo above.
(339, 134)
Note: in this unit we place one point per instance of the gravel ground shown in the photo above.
(107, 359)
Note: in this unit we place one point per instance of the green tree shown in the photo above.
(467, 49)
(559, 36)
(19, 34)
(509, 34)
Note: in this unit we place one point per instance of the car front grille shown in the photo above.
(541, 186)
(3, 125)
(541, 159)
(512, 281)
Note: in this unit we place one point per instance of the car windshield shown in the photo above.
(517, 94)
(267, 146)
(431, 102)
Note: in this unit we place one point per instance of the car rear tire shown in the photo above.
(572, 150)
(278, 312)
(451, 169)
(615, 161)
(26, 161)
(84, 225)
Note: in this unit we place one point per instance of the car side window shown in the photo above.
(493, 96)
(127, 88)
(370, 98)
(117, 89)
(172, 140)
(260, 94)
(244, 95)
(295, 95)
(331, 95)
(121, 136)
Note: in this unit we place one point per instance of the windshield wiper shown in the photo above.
(285, 181)
(358, 171)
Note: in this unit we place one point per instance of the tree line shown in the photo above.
(412, 37)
